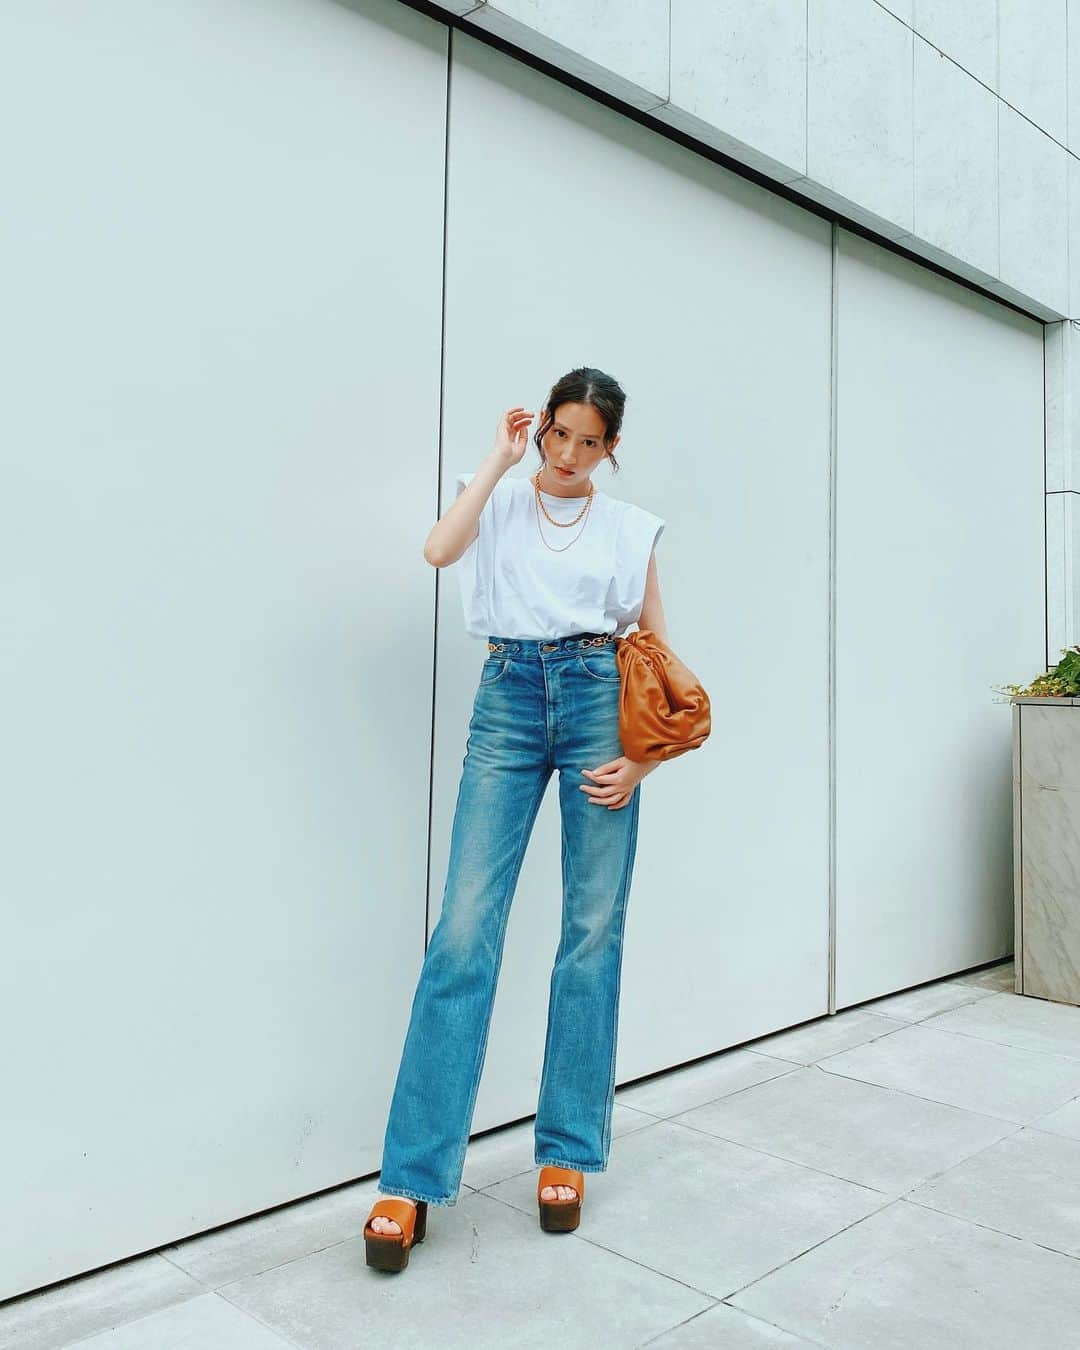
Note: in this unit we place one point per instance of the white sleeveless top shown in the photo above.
(513, 585)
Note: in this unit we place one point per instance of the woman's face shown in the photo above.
(574, 441)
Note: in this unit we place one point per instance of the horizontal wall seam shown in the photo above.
(709, 152)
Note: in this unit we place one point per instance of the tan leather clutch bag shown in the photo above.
(663, 708)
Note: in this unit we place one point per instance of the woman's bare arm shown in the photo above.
(459, 524)
(652, 609)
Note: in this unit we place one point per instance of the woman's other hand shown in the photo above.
(615, 781)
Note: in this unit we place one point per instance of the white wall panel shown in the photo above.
(575, 237)
(224, 348)
(940, 597)
(222, 244)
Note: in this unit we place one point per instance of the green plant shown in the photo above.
(1060, 681)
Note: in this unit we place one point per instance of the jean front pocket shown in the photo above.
(601, 665)
(493, 669)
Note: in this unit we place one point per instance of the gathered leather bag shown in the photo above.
(663, 708)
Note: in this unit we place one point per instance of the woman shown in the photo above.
(551, 570)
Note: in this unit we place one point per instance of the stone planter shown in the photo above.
(1046, 847)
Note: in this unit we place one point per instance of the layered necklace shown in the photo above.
(582, 515)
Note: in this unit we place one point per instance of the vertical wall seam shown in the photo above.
(1063, 431)
(438, 485)
(1067, 633)
(997, 123)
(1046, 499)
(670, 3)
(830, 662)
(1018, 934)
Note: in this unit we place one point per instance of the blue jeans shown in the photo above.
(539, 706)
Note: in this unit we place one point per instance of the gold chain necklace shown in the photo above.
(562, 524)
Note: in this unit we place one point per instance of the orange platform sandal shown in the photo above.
(390, 1251)
(560, 1216)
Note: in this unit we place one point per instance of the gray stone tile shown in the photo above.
(967, 1071)
(710, 1213)
(1065, 1120)
(679, 1089)
(1062, 508)
(1031, 62)
(1060, 526)
(966, 31)
(1073, 248)
(914, 1005)
(1001, 977)
(859, 1131)
(859, 96)
(80, 1307)
(954, 263)
(853, 208)
(956, 171)
(722, 1327)
(903, 9)
(1025, 1185)
(909, 1277)
(269, 1240)
(825, 1036)
(1051, 742)
(743, 68)
(1060, 366)
(1017, 1020)
(485, 1276)
(208, 1323)
(1048, 856)
(505, 1153)
(1072, 69)
(608, 44)
(1033, 196)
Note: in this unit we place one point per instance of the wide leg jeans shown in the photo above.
(539, 707)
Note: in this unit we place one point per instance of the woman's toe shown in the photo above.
(558, 1193)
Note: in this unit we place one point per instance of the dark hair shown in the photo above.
(585, 385)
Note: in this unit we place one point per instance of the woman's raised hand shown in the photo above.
(512, 435)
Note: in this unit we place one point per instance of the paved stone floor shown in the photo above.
(905, 1174)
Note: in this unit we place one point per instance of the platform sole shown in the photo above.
(560, 1216)
(387, 1251)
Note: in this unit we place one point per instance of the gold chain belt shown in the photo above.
(585, 642)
